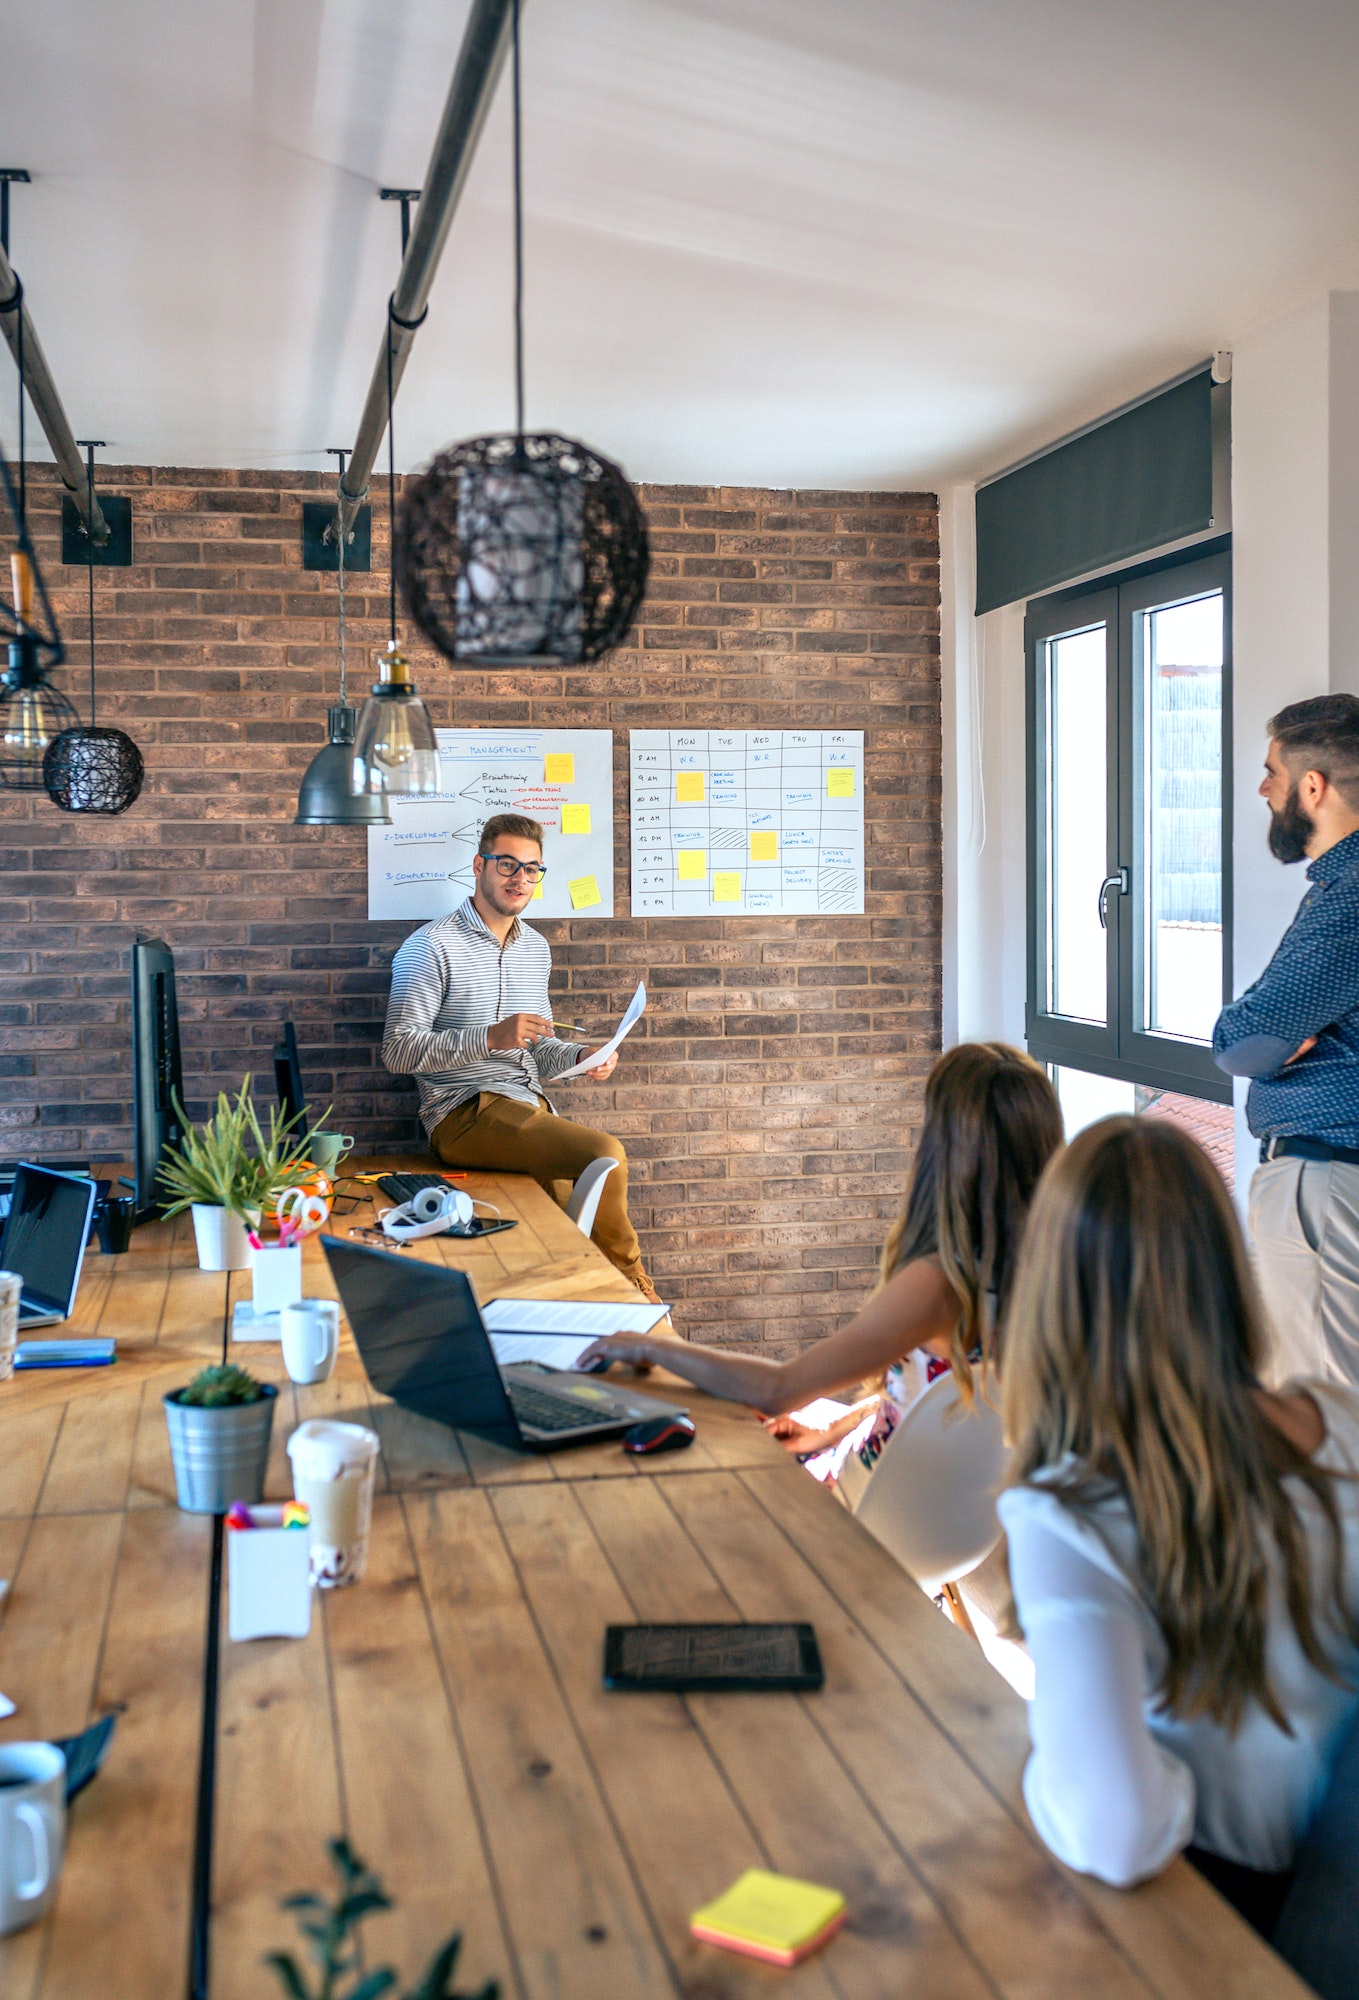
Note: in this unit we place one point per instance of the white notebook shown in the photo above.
(555, 1331)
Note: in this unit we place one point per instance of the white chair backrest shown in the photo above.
(931, 1499)
(584, 1203)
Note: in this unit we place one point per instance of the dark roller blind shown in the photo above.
(1135, 483)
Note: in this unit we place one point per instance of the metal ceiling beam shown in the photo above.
(42, 393)
(485, 43)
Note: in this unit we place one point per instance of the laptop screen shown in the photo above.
(45, 1234)
(420, 1333)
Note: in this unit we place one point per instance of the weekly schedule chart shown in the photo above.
(728, 822)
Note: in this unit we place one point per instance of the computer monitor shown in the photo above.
(288, 1078)
(157, 1069)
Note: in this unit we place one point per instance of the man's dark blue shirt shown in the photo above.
(1309, 987)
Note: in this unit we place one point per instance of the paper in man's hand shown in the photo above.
(635, 1011)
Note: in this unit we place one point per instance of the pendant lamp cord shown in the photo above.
(518, 240)
(89, 538)
(23, 455)
(391, 487)
(339, 493)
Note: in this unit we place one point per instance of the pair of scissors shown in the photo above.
(304, 1211)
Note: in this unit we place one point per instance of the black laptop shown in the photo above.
(44, 1240)
(424, 1344)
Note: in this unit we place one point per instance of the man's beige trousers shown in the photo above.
(1304, 1223)
(505, 1135)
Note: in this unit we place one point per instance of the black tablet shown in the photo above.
(712, 1659)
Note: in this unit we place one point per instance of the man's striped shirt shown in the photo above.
(451, 981)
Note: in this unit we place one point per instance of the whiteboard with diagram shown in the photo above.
(421, 865)
(732, 822)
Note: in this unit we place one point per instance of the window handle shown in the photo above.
(1123, 883)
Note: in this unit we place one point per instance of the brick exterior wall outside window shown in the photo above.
(768, 1108)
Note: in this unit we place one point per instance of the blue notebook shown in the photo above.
(63, 1353)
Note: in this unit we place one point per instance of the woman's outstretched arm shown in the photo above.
(915, 1305)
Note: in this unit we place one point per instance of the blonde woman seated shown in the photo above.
(991, 1124)
(1184, 1544)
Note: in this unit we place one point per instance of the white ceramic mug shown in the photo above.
(32, 1831)
(333, 1468)
(310, 1329)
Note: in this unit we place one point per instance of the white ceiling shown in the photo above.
(873, 243)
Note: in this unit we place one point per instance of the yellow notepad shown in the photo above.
(773, 1917)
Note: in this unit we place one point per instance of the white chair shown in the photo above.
(584, 1203)
(931, 1499)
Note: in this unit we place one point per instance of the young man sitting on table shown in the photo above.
(469, 1018)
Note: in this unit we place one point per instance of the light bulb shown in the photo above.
(27, 732)
(395, 752)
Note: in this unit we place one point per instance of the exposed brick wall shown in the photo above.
(769, 1105)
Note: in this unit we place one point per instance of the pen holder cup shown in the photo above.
(277, 1278)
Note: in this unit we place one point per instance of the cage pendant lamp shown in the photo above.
(326, 796)
(32, 711)
(526, 549)
(92, 770)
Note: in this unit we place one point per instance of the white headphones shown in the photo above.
(433, 1212)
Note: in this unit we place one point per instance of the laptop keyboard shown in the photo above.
(550, 1413)
(405, 1187)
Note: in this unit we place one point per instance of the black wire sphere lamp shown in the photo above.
(86, 768)
(522, 550)
(526, 548)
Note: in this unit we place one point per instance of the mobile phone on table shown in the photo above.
(712, 1659)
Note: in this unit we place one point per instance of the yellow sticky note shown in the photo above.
(689, 788)
(575, 819)
(840, 782)
(726, 886)
(693, 863)
(537, 892)
(764, 847)
(559, 768)
(584, 892)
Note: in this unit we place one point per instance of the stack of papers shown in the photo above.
(555, 1331)
(772, 1917)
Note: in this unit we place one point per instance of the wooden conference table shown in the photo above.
(447, 1713)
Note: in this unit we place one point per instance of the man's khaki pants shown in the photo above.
(506, 1135)
(1304, 1223)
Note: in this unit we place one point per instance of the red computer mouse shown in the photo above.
(666, 1433)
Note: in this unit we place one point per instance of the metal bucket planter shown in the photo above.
(220, 1455)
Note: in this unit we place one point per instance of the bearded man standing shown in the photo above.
(1295, 1034)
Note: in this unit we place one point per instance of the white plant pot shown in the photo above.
(223, 1238)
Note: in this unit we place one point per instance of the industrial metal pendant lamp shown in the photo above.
(92, 770)
(326, 796)
(528, 549)
(395, 753)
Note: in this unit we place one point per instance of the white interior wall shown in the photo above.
(1295, 511)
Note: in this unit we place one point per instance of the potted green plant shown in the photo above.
(219, 1438)
(226, 1172)
(331, 1931)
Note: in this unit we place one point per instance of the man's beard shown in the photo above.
(1290, 830)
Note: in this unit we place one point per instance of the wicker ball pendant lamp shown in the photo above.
(92, 770)
(526, 549)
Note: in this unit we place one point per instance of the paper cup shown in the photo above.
(333, 1467)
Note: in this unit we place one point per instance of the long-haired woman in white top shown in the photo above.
(1183, 1544)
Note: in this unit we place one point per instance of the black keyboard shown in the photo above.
(405, 1187)
(549, 1413)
